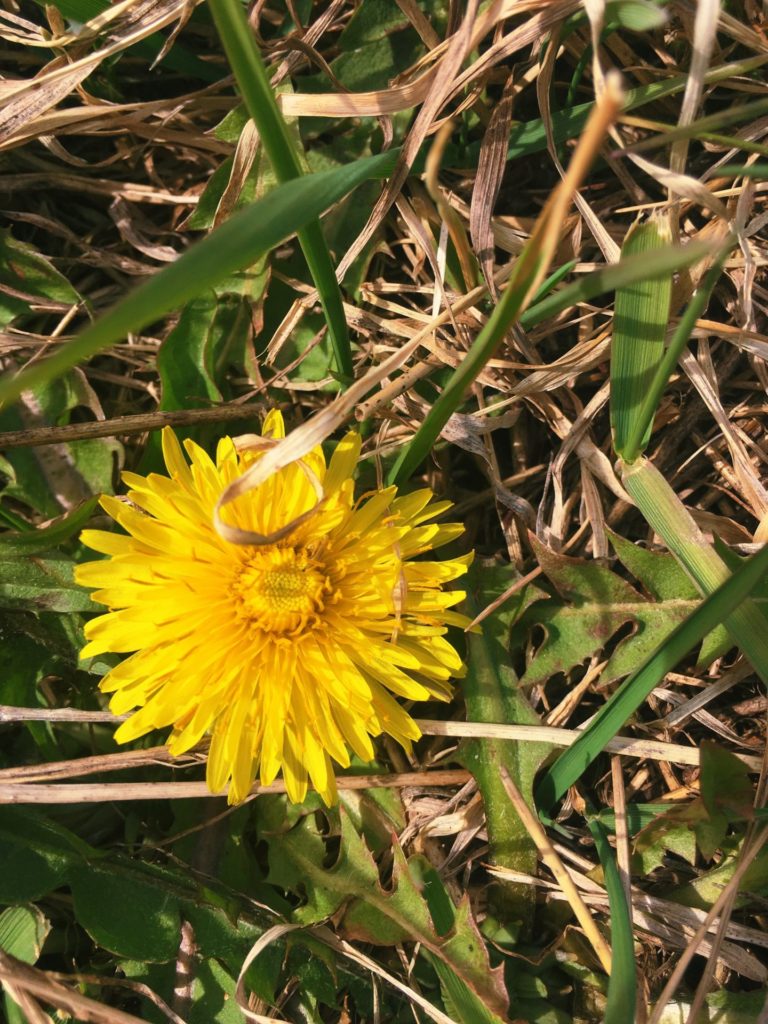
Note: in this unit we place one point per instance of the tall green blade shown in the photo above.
(252, 80)
(608, 721)
(639, 324)
(236, 244)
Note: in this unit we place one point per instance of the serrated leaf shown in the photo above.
(51, 477)
(297, 859)
(595, 603)
(661, 836)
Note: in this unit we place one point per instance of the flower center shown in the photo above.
(282, 590)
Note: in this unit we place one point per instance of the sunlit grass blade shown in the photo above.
(723, 119)
(236, 244)
(252, 80)
(527, 274)
(640, 321)
(671, 520)
(639, 429)
(759, 171)
(615, 275)
(622, 982)
(608, 721)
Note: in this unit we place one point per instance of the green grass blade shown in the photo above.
(527, 275)
(253, 82)
(639, 430)
(622, 983)
(531, 136)
(625, 701)
(615, 275)
(640, 322)
(634, 268)
(505, 312)
(723, 119)
(236, 244)
(759, 171)
(671, 520)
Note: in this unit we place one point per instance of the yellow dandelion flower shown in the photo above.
(289, 651)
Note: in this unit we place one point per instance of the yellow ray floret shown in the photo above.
(287, 653)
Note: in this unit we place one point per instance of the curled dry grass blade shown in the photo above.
(236, 244)
(252, 80)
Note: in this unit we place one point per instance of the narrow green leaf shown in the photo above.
(612, 716)
(253, 82)
(737, 171)
(236, 244)
(31, 542)
(492, 694)
(671, 520)
(622, 983)
(639, 325)
(639, 429)
(616, 275)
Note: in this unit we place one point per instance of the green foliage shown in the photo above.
(622, 983)
(238, 243)
(50, 479)
(592, 603)
(23, 930)
(492, 694)
(30, 281)
(571, 764)
(350, 888)
(639, 325)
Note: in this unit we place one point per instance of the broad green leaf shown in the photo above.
(665, 833)
(35, 854)
(747, 622)
(492, 694)
(127, 915)
(593, 604)
(703, 890)
(613, 715)
(726, 788)
(41, 584)
(52, 477)
(636, 15)
(23, 930)
(372, 20)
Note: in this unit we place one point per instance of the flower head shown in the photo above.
(287, 651)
